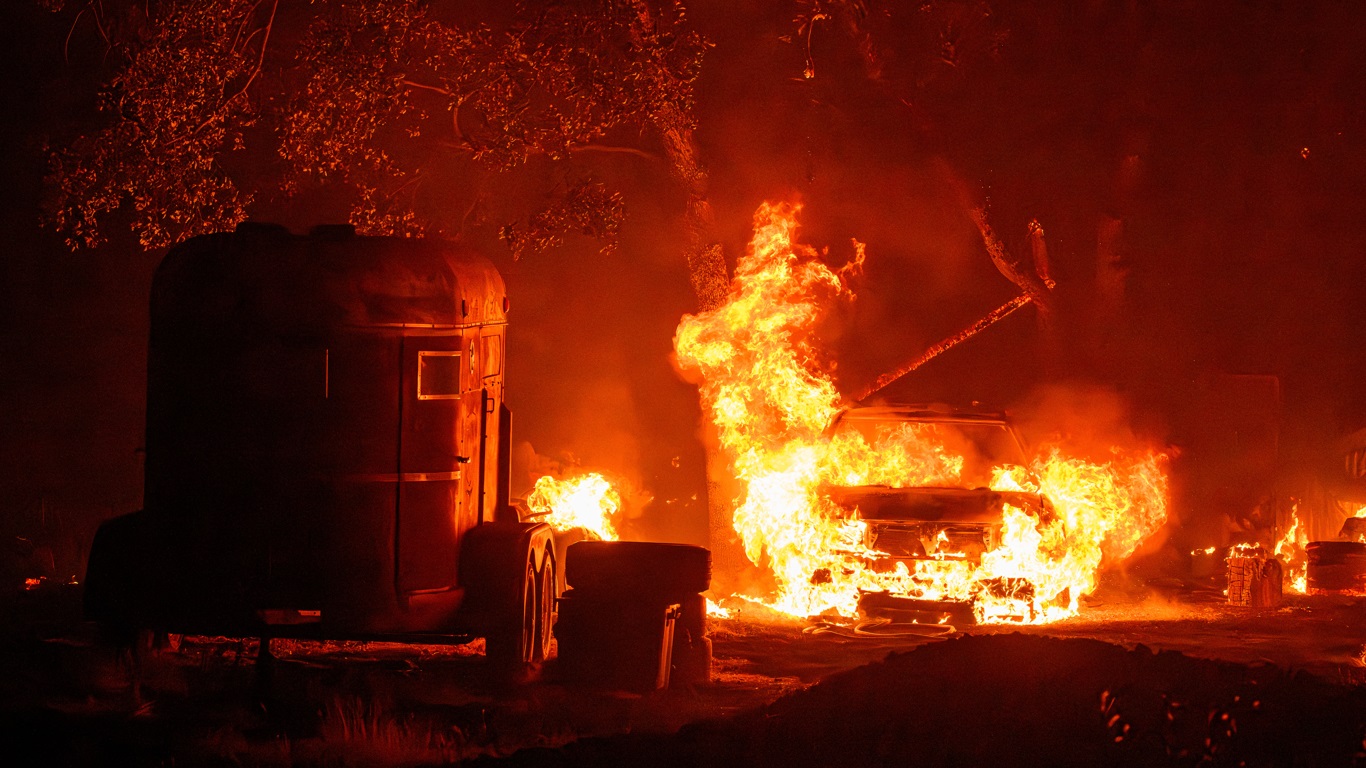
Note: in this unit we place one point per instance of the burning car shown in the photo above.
(960, 515)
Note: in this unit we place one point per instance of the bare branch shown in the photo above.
(1034, 285)
(988, 320)
(1038, 251)
(425, 87)
(261, 59)
(66, 44)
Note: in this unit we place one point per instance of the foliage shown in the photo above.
(378, 96)
(176, 108)
(588, 208)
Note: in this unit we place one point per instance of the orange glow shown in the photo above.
(754, 361)
(587, 501)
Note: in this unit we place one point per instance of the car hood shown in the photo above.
(936, 505)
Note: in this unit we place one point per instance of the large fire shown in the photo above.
(763, 385)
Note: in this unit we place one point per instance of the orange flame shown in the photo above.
(588, 501)
(755, 364)
(717, 611)
(1291, 550)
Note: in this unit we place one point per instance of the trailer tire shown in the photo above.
(514, 647)
(548, 594)
(670, 570)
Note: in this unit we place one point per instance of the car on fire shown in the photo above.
(959, 520)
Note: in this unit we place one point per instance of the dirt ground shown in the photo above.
(66, 699)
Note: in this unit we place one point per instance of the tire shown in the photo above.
(514, 647)
(673, 571)
(691, 661)
(547, 594)
(1336, 567)
(692, 619)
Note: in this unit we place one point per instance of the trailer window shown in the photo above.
(493, 356)
(438, 375)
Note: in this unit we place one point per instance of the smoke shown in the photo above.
(1088, 419)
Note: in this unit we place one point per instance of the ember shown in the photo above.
(756, 364)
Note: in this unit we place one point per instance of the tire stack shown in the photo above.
(1336, 568)
(634, 617)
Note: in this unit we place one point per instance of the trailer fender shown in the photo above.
(493, 560)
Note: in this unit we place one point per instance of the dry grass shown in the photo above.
(352, 733)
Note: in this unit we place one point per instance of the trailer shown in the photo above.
(327, 451)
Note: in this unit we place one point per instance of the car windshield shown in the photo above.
(930, 452)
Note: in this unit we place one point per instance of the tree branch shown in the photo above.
(620, 150)
(988, 320)
(426, 87)
(260, 61)
(1038, 287)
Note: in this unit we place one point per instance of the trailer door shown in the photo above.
(433, 463)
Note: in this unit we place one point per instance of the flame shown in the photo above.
(717, 611)
(762, 384)
(587, 501)
(1291, 550)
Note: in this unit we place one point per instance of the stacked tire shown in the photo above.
(611, 579)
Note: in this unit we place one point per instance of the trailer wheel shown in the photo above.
(673, 570)
(545, 615)
(515, 647)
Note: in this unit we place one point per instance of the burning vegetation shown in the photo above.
(757, 364)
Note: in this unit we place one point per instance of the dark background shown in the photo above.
(1243, 250)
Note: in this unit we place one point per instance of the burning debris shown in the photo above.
(1309, 567)
(756, 363)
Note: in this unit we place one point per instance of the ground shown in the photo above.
(1053, 692)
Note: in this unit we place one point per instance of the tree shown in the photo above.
(376, 97)
(978, 83)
